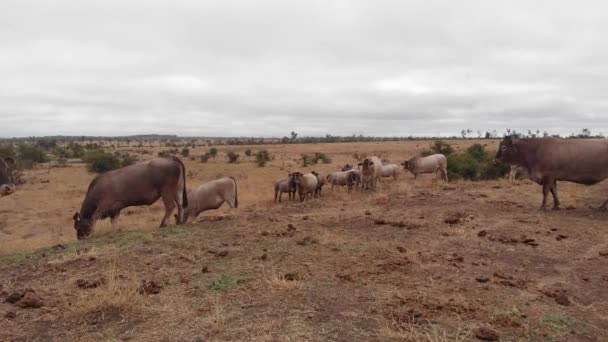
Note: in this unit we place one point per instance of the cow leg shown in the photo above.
(169, 202)
(114, 220)
(279, 194)
(546, 188)
(445, 174)
(554, 193)
(276, 194)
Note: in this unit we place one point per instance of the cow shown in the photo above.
(211, 195)
(321, 178)
(342, 178)
(390, 170)
(548, 160)
(134, 185)
(356, 173)
(307, 185)
(435, 163)
(370, 172)
(287, 185)
(513, 171)
(6, 186)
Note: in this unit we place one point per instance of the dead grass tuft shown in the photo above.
(119, 293)
(423, 333)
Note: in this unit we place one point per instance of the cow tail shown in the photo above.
(236, 194)
(184, 192)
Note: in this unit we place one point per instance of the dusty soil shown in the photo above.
(413, 262)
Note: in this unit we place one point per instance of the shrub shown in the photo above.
(462, 166)
(233, 157)
(322, 157)
(205, 157)
(167, 153)
(262, 157)
(127, 160)
(478, 152)
(213, 152)
(185, 152)
(99, 161)
(248, 153)
(7, 151)
(30, 155)
(305, 159)
(442, 147)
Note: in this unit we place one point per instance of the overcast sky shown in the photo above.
(265, 68)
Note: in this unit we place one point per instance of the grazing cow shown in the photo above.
(321, 178)
(390, 170)
(548, 160)
(307, 185)
(138, 184)
(342, 178)
(436, 163)
(211, 195)
(6, 186)
(513, 171)
(287, 185)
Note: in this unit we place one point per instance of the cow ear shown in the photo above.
(359, 164)
(76, 217)
(9, 162)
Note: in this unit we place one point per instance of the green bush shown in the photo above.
(442, 147)
(262, 157)
(99, 161)
(233, 157)
(213, 152)
(305, 159)
(7, 151)
(30, 155)
(462, 166)
(321, 157)
(478, 152)
(205, 157)
(248, 152)
(127, 160)
(185, 152)
(168, 153)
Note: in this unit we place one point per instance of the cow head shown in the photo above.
(6, 186)
(508, 152)
(347, 167)
(367, 166)
(406, 165)
(83, 226)
(297, 178)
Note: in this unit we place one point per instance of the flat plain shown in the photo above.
(412, 261)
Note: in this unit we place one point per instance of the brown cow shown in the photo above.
(287, 185)
(139, 184)
(6, 186)
(548, 160)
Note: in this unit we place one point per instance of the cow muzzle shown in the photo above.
(7, 189)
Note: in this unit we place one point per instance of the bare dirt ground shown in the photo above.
(409, 262)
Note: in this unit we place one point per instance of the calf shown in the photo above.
(287, 185)
(212, 195)
(307, 185)
(436, 163)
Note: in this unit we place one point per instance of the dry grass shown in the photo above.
(119, 293)
(350, 267)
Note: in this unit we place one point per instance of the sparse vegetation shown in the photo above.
(185, 152)
(224, 283)
(213, 152)
(262, 157)
(233, 157)
(248, 152)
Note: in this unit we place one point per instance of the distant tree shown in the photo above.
(262, 157)
(233, 157)
(213, 152)
(185, 152)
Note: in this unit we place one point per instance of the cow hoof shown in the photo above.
(556, 208)
(542, 209)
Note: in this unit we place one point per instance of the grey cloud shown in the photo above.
(264, 68)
